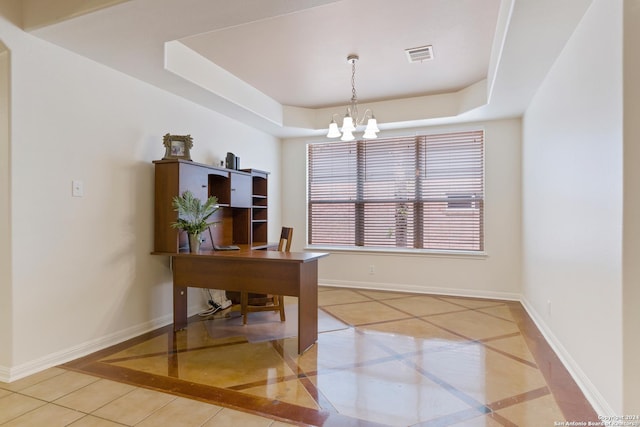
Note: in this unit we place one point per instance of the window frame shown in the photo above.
(407, 251)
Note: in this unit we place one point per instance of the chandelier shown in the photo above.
(351, 120)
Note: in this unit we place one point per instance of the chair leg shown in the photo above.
(281, 304)
(278, 304)
(244, 302)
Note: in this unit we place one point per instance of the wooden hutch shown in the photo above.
(242, 197)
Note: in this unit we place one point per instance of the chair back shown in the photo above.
(285, 239)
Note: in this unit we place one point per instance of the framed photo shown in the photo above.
(177, 146)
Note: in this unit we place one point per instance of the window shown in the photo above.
(418, 192)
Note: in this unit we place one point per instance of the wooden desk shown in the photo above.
(271, 272)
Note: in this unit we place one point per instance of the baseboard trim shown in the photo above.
(10, 374)
(591, 393)
(4, 374)
(416, 289)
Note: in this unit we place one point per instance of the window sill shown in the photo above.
(398, 251)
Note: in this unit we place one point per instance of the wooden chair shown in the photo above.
(250, 303)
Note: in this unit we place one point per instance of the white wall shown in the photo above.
(495, 275)
(83, 276)
(572, 205)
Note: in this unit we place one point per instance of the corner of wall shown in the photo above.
(11, 10)
(631, 211)
(6, 308)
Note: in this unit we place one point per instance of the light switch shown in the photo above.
(77, 188)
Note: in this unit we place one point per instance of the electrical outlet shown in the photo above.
(77, 188)
(372, 269)
(549, 308)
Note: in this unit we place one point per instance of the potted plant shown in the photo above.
(193, 216)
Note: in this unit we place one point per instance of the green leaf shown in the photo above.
(192, 213)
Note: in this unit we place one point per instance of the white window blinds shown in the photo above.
(418, 192)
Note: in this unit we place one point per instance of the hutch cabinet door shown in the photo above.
(241, 190)
(195, 178)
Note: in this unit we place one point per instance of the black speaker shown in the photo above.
(230, 161)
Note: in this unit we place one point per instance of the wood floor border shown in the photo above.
(569, 397)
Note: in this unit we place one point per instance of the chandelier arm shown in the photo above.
(368, 114)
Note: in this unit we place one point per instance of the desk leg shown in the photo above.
(308, 306)
(179, 307)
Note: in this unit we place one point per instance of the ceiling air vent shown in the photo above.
(419, 54)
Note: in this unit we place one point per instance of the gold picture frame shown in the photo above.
(177, 146)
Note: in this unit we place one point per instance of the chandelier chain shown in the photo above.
(354, 97)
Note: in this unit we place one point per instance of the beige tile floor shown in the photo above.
(382, 359)
(59, 397)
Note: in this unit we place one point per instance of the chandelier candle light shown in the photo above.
(351, 119)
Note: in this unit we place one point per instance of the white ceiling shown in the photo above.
(300, 58)
(260, 58)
